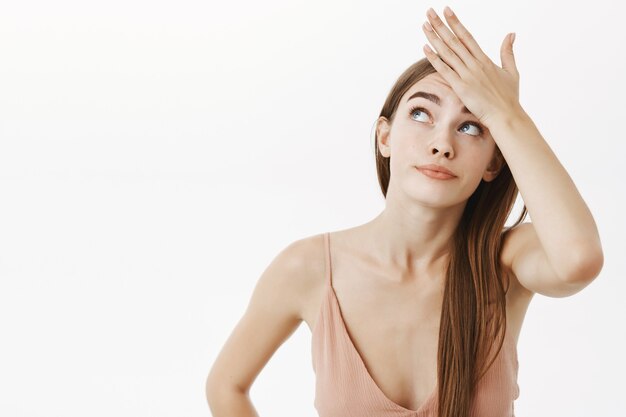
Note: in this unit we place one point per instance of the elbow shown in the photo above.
(211, 389)
(217, 391)
(586, 265)
(208, 389)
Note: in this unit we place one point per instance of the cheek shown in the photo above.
(403, 145)
(481, 151)
(473, 158)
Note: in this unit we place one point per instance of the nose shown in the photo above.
(442, 145)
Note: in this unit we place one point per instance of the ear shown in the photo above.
(382, 133)
(495, 165)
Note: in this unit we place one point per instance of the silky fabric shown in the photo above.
(345, 388)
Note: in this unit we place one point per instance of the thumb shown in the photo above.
(506, 54)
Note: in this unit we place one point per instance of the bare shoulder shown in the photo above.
(274, 312)
(512, 240)
(298, 268)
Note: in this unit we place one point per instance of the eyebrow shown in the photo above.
(434, 98)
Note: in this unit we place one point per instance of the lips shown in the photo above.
(435, 174)
(438, 168)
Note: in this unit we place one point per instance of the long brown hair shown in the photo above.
(474, 288)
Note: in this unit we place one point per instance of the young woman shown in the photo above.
(418, 311)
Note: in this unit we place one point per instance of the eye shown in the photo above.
(416, 110)
(478, 128)
(424, 111)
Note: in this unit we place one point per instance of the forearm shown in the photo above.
(562, 220)
(230, 403)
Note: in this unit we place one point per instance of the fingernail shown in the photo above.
(448, 11)
(512, 38)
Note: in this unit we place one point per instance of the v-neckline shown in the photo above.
(377, 388)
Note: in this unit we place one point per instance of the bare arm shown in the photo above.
(273, 314)
(559, 253)
(230, 403)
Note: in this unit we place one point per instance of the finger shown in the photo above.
(506, 55)
(450, 39)
(442, 68)
(465, 36)
(445, 53)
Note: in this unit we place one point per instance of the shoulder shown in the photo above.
(295, 272)
(513, 240)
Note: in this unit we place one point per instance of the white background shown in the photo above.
(156, 156)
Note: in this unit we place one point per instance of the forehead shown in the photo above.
(435, 84)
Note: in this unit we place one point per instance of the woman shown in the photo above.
(418, 311)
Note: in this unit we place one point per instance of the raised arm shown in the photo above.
(560, 252)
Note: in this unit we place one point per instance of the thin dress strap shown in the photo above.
(327, 258)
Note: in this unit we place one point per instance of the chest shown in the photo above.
(392, 331)
(390, 327)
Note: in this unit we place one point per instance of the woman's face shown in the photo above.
(424, 132)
